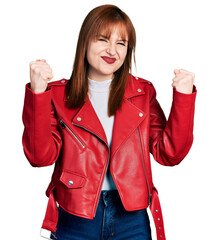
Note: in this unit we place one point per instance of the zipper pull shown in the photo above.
(62, 124)
(149, 199)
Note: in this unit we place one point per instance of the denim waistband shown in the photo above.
(109, 193)
(110, 196)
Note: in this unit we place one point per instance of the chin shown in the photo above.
(107, 72)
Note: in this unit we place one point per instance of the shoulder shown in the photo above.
(144, 84)
(58, 83)
(139, 81)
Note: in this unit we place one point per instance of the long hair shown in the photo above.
(101, 19)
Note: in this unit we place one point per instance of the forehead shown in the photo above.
(116, 29)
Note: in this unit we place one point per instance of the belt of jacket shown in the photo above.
(51, 217)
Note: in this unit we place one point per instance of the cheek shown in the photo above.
(93, 52)
(90, 51)
(123, 53)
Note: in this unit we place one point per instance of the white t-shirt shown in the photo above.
(98, 94)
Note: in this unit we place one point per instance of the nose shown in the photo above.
(111, 50)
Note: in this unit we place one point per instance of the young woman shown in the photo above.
(99, 128)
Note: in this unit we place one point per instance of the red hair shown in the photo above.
(102, 19)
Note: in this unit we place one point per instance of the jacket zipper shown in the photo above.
(142, 157)
(106, 164)
(64, 126)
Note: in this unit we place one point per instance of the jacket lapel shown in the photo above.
(128, 117)
(88, 120)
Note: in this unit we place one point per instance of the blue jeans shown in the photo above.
(111, 222)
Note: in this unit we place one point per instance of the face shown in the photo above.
(106, 55)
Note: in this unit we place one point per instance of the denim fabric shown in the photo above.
(111, 222)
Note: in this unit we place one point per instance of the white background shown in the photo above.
(170, 34)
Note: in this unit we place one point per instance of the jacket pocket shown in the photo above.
(72, 134)
(72, 180)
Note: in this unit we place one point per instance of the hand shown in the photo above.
(40, 74)
(183, 81)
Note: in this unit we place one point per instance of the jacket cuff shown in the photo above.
(28, 89)
(39, 98)
(183, 98)
(36, 104)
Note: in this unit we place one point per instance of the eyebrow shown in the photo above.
(100, 35)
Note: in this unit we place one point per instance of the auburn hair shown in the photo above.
(101, 20)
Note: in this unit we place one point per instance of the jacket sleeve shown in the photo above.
(171, 140)
(41, 139)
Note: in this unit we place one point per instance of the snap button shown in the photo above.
(158, 219)
(140, 114)
(161, 236)
(63, 81)
(139, 90)
(156, 210)
(136, 78)
(78, 119)
(70, 183)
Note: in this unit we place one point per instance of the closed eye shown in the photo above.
(102, 39)
(121, 43)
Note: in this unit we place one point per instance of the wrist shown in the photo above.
(35, 90)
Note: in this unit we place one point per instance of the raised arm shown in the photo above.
(171, 140)
(41, 139)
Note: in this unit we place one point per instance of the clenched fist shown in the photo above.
(40, 74)
(183, 81)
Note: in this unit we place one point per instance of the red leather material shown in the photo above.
(51, 217)
(39, 122)
(140, 128)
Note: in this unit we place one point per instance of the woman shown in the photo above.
(99, 128)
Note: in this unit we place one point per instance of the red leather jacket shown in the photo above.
(76, 142)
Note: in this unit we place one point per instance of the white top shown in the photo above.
(98, 94)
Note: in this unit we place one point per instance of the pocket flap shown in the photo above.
(72, 180)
